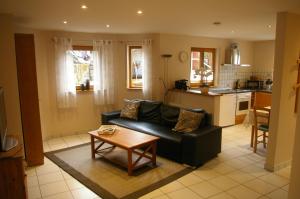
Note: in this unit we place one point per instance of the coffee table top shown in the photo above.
(125, 138)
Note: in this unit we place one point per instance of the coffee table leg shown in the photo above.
(154, 153)
(129, 162)
(92, 147)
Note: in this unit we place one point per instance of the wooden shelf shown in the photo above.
(12, 175)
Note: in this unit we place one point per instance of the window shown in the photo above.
(83, 66)
(202, 66)
(134, 67)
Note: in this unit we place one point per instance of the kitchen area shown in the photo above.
(239, 87)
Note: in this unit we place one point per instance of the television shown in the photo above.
(6, 143)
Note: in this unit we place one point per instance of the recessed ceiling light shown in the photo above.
(232, 31)
(107, 26)
(269, 26)
(84, 7)
(65, 22)
(139, 12)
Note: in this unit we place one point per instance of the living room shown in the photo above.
(171, 48)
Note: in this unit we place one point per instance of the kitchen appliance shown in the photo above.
(233, 56)
(181, 84)
(237, 84)
(269, 83)
(243, 103)
(255, 84)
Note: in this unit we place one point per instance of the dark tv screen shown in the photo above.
(3, 122)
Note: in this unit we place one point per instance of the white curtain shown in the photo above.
(147, 70)
(65, 75)
(104, 73)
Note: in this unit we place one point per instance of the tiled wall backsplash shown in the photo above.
(229, 74)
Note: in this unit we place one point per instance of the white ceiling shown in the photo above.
(249, 19)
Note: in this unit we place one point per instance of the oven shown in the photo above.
(243, 103)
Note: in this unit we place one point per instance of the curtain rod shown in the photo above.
(121, 41)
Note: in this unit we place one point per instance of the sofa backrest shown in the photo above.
(157, 112)
(169, 115)
(149, 111)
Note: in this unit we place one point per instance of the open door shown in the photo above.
(29, 102)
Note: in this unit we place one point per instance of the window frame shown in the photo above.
(83, 48)
(129, 70)
(201, 51)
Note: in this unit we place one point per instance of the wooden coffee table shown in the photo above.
(125, 148)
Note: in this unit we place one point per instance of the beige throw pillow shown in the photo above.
(188, 121)
(130, 109)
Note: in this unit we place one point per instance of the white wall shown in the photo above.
(283, 118)
(264, 56)
(174, 44)
(292, 50)
(86, 116)
(8, 75)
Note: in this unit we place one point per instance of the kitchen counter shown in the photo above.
(232, 91)
(196, 92)
(262, 90)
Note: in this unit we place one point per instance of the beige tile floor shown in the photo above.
(236, 173)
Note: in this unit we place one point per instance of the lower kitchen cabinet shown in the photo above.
(225, 110)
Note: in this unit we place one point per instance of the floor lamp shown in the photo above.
(165, 79)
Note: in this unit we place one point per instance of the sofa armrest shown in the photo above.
(201, 145)
(105, 117)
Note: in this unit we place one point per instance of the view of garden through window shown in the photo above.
(83, 66)
(202, 65)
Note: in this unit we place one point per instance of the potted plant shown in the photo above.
(204, 87)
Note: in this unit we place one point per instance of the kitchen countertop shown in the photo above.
(220, 91)
(196, 92)
(232, 91)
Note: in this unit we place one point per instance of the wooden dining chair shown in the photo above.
(261, 124)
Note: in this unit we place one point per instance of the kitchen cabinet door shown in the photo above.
(227, 108)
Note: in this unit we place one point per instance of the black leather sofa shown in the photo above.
(154, 118)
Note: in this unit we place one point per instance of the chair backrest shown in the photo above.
(261, 116)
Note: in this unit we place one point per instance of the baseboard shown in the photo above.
(277, 167)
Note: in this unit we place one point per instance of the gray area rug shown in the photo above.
(110, 181)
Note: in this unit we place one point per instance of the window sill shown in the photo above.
(134, 88)
(84, 91)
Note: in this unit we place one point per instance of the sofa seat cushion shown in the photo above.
(158, 130)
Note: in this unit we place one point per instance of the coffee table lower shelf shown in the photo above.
(130, 158)
(120, 157)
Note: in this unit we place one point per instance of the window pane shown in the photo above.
(195, 66)
(202, 65)
(83, 66)
(136, 67)
(208, 66)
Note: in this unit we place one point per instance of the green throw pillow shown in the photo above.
(130, 109)
(188, 121)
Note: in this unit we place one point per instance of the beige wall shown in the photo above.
(293, 31)
(294, 192)
(8, 75)
(174, 44)
(264, 56)
(283, 118)
(86, 116)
